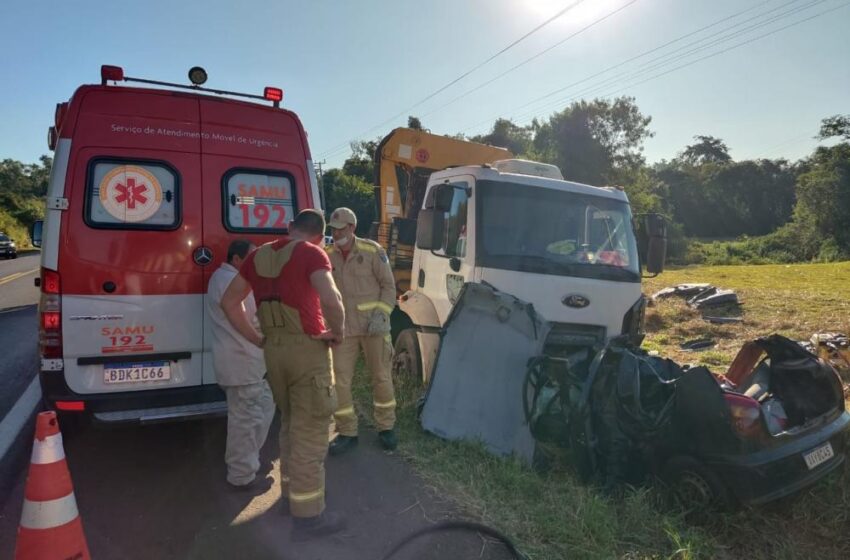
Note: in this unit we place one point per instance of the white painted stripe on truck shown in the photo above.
(53, 218)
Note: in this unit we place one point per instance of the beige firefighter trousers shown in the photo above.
(250, 410)
(300, 373)
(378, 352)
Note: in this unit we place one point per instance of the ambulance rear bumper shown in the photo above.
(157, 405)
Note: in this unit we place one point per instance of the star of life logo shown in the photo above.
(130, 193)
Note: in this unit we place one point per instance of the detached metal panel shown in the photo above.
(476, 388)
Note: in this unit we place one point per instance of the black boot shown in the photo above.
(342, 444)
(326, 523)
(388, 439)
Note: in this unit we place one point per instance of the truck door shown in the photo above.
(443, 271)
(131, 286)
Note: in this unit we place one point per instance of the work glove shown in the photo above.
(379, 322)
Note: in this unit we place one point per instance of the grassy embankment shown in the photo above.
(552, 516)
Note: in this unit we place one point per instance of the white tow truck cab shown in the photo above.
(567, 248)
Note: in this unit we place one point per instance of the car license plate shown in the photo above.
(820, 455)
(136, 373)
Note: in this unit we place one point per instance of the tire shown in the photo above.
(695, 486)
(407, 360)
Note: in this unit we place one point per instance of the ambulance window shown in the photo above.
(132, 195)
(258, 201)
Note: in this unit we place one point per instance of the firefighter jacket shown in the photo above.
(366, 283)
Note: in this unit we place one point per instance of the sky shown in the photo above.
(355, 69)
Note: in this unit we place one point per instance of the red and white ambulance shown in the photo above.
(149, 185)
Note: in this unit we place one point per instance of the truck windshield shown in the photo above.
(547, 231)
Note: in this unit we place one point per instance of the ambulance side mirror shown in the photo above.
(35, 233)
(429, 229)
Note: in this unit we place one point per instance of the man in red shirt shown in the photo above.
(301, 316)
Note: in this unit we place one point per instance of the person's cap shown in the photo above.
(342, 217)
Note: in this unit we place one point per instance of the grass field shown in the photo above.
(551, 516)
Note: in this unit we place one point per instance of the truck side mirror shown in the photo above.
(35, 233)
(429, 229)
(656, 251)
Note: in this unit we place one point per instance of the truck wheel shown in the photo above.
(407, 362)
(695, 486)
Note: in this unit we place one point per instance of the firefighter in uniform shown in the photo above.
(301, 315)
(363, 275)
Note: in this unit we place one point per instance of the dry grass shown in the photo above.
(553, 516)
(793, 300)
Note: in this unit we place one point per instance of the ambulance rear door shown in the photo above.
(253, 166)
(131, 259)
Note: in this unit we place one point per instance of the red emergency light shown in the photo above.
(114, 73)
(273, 94)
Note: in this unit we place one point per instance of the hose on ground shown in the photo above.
(456, 526)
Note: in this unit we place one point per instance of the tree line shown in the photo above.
(757, 210)
(762, 210)
(22, 190)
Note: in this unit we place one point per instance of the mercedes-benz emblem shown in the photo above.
(575, 300)
(203, 256)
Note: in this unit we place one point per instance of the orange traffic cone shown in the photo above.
(50, 526)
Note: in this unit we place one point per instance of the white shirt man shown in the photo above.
(240, 370)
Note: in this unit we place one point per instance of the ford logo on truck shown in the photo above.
(575, 300)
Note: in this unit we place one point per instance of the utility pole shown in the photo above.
(320, 174)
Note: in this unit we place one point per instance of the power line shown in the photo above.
(678, 54)
(671, 56)
(717, 53)
(527, 60)
(558, 14)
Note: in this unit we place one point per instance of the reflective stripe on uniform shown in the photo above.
(388, 404)
(347, 411)
(370, 305)
(306, 496)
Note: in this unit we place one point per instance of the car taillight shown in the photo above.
(50, 312)
(746, 415)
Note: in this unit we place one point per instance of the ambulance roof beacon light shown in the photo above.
(114, 73)
(273, 94)
(197, 75)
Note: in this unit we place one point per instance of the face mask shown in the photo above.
(343, 240)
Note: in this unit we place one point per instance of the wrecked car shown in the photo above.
(773, 424)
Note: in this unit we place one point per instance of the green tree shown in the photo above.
(597, 142)
(506, 134)
(342, 189)
(414, 123)
(22, 190)
(361, 162)
(836, 125)
(823, 196)
(707, 149)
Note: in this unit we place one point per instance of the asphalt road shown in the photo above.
(18, 327)
(159, 491)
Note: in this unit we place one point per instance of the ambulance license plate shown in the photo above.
(136, 373)
(820, 455)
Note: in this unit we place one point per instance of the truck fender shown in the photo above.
(420, 309)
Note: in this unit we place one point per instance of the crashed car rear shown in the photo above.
(772, 425)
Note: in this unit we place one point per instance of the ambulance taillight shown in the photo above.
(50, 315)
